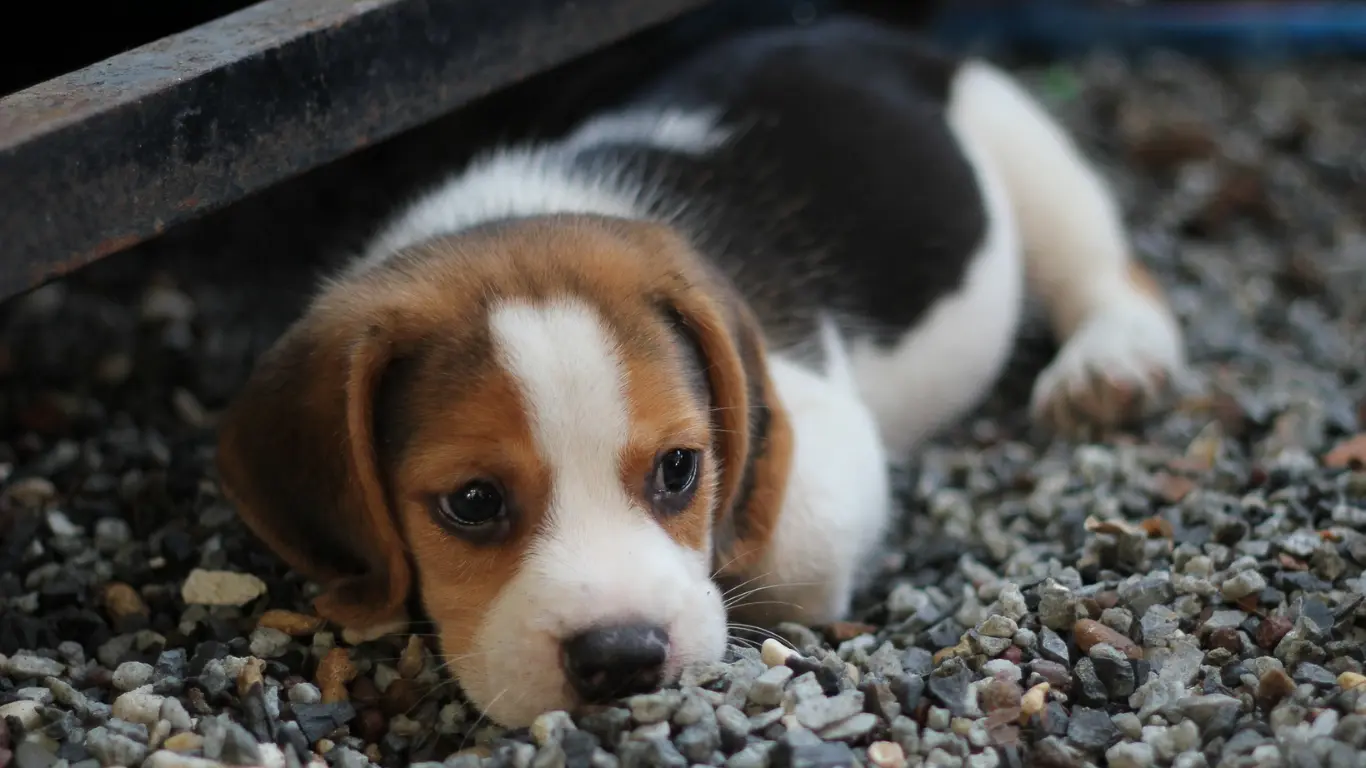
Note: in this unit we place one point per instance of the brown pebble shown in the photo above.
(1271, 631)
(183, 742)
(1273, 686)
(1055, 674)
(1172, 489)
(371, 725)
(1348, 453)
(334, 672)
(251, 675)
(848, 630)
(1291, 563)
(1164, 145)
(122, 602)
(1000, 694)
(412, 660)
(1013, 654)
(1158, 527)
(1226, 638)
(291, 623)
(1089, 633)
(364, 692)
(401, 697)
(372, 752)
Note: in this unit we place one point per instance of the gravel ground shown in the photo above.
(1190, 595)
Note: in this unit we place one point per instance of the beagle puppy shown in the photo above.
(574, 394)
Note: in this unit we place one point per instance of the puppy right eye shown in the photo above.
(479, 504)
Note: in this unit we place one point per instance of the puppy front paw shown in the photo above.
(1117, 367)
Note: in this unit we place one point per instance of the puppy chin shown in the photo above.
(514, 669)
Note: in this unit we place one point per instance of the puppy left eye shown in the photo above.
(675, 478)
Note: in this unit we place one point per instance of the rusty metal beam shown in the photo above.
(105, 157)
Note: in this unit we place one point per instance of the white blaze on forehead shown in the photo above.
(567, 367)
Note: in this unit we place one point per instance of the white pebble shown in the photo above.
(775, 653)
(886, 754)
(138, 707)
(25, 711)
(132, 674)
(1002, 668)
(61, 525)
(221, 588)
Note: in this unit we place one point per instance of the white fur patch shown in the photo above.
(599, 557)
(543, 179)
(837, 502)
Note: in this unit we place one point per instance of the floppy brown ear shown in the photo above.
(296, 454)
(753, 433)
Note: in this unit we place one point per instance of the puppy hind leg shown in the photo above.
(1120, 344)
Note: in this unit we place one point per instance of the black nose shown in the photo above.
(614, 661)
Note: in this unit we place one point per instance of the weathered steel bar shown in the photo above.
(99, 159)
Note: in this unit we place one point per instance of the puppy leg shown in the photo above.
(836, 506)
(1120, 342)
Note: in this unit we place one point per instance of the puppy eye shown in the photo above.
(476, 504)
(675, 478)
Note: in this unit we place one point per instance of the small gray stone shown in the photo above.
(173, 712)
(1053, 647)
(349, 758)
(1057, 606)
(1113, 669)
(698, 742)
(1091, 729)
(304, 693)
(917, 661)
(655, 707)
(268, 643)
(753, 756)
(822, 712)
(32, 754)
(1204, 709)
(114, 749)
(41, 695)
(822, 755)
(885, 662)
(855, 727)
(1140, 594)
(734, 727)
(767, 690)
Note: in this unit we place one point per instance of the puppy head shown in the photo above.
(558, 429)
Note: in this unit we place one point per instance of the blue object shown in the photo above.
(1239, 29)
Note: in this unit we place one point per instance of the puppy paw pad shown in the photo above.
(1116, 368)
